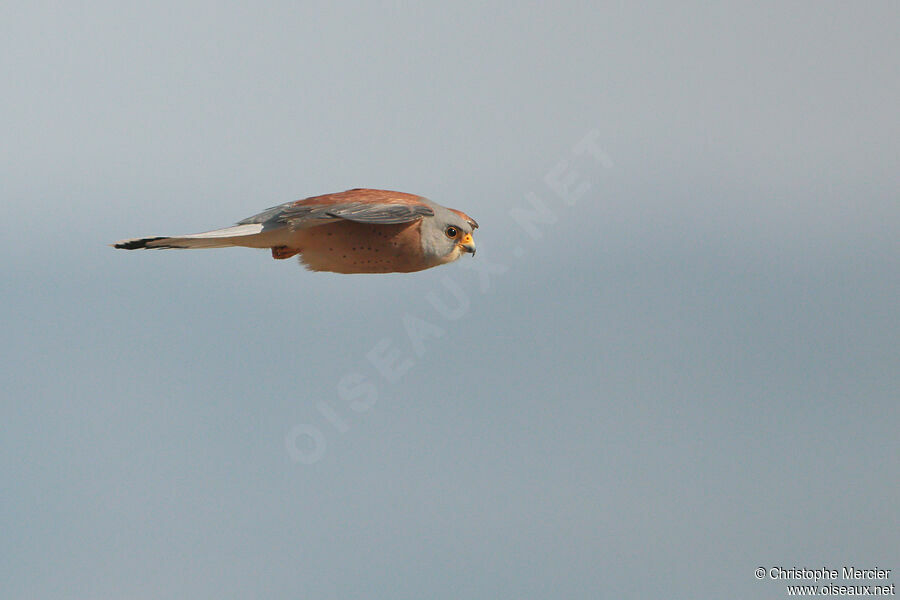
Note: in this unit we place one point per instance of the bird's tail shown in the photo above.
(238, 235)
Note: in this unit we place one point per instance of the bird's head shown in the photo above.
(447, 234)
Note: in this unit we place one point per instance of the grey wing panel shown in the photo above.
(381, 214)
(310, 215)
(267, 216)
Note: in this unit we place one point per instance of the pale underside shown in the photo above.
(350, 247)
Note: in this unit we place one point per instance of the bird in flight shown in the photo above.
(357, 231)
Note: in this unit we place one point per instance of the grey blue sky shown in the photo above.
(680, 368)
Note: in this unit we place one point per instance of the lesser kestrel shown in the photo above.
(357, 231)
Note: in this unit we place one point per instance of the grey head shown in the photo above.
(447, 234)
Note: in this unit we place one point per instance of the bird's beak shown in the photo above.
(467, 244)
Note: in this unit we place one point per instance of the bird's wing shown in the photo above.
(379, 207)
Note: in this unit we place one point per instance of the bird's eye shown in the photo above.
(452, 232)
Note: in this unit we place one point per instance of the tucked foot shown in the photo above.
(282, 252)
